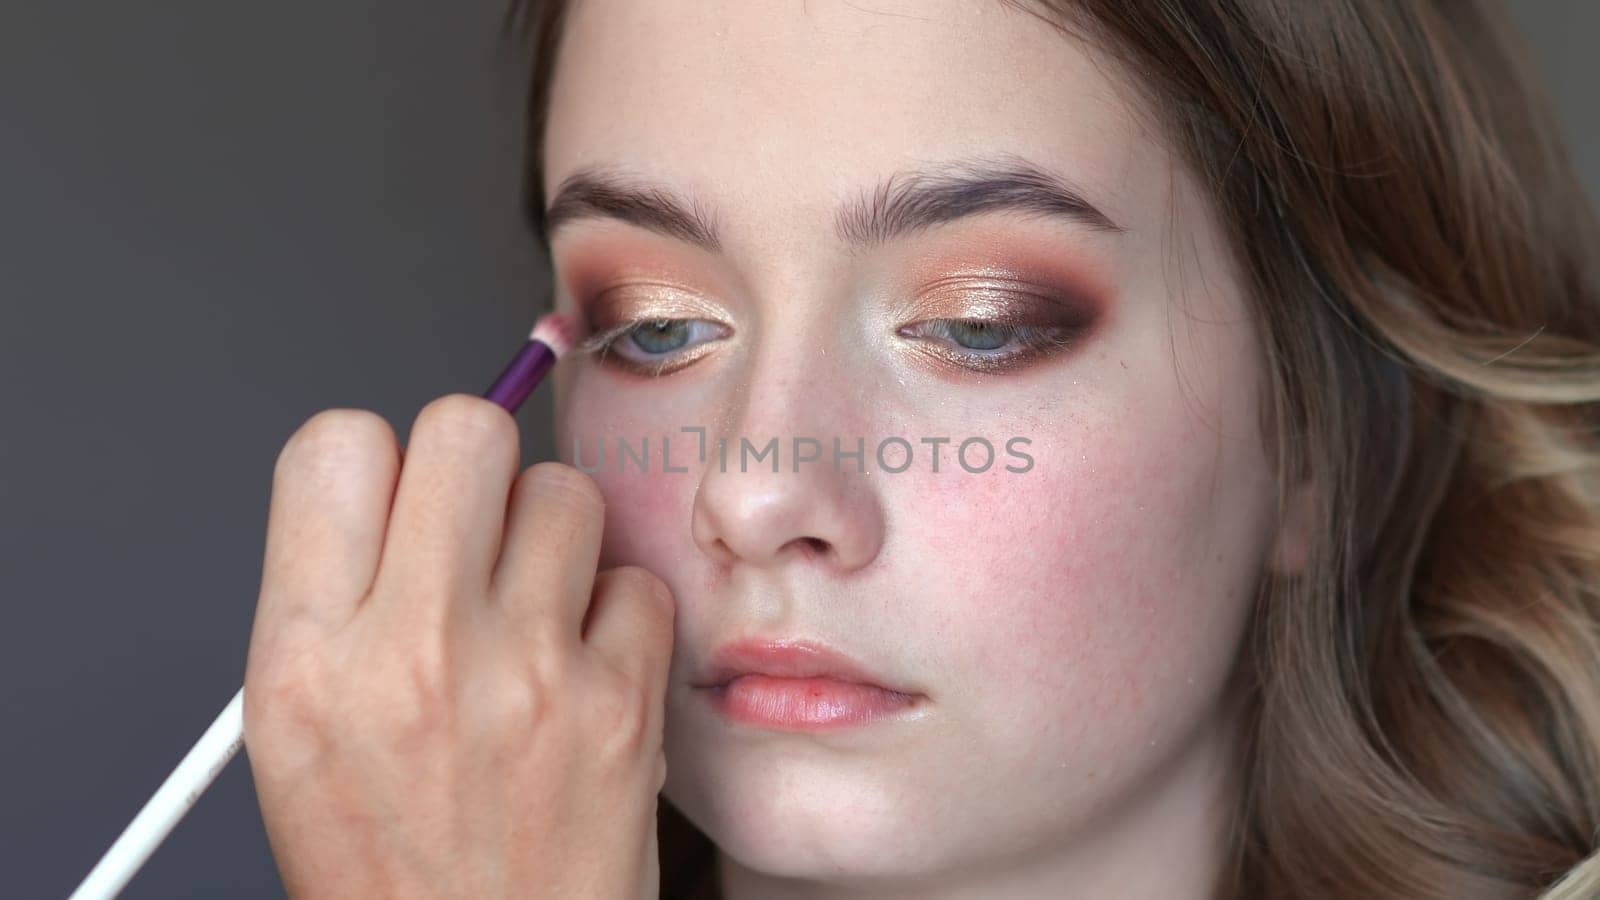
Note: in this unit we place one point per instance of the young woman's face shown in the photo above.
(1066, 628)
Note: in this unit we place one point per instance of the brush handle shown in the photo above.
(521, 375)
(204, 761)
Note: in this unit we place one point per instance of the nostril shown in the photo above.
(815, 545)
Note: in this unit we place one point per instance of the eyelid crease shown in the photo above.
(629, 302)
(993, 289)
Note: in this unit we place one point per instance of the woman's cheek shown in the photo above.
(1071, 598)
(646, 510)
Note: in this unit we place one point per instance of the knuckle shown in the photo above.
(335, 439)
(287, 683)
(513, 706)
(554, 482)
(285, 706)
(458, 416)
(407, 697)
(272, 690)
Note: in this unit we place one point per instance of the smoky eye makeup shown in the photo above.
(991, 320)
(650, 328)
(958, 318)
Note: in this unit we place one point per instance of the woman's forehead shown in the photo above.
(802, 106)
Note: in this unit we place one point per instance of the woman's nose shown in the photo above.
(778, 494)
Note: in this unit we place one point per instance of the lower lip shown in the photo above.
(805, 704)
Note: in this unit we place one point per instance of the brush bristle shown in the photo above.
(556, 330)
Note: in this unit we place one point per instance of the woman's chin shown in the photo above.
(797, 821)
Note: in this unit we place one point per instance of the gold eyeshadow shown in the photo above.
(1036, 319)
(612, 312)
(995, 295)
(644, 300)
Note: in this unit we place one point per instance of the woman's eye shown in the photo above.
(986, 345)
(656, 345)
(979, 335)
(661, 346)
(660, 335)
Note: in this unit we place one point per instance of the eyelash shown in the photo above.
(605, 341)
(1031, 341)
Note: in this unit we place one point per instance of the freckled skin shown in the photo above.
(1072, 625)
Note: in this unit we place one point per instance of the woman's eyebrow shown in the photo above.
(901, 204)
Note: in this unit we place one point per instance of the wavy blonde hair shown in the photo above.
(1423, 699)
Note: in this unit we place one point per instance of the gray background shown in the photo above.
(216, 219)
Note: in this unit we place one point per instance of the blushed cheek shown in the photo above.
(646, 510)
(1090, 613)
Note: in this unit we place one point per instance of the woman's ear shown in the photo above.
(1292, 545)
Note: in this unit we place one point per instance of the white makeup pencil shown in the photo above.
(552, 337)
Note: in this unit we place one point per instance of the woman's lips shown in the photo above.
(804, 703)
(797, 685)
